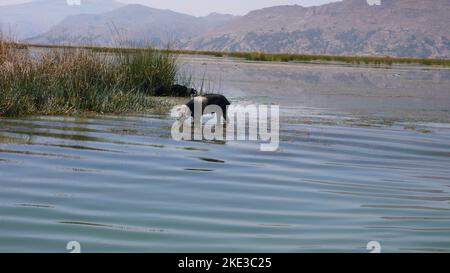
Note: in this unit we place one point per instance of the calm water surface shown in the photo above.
(364, 155)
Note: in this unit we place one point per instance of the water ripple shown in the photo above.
(122, 184)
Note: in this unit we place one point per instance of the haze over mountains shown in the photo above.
(402, 28)
(30, 19)
(131, 25)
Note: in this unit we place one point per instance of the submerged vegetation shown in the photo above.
(75, 80)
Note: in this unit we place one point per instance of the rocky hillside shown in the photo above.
(402, 28)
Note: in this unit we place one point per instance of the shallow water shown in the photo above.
(364, 156)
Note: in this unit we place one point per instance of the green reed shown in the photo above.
(69, 80)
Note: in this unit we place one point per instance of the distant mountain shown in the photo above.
(131, 25)
(400, 28)
(216, 19)
(30, 19)
(403, 28)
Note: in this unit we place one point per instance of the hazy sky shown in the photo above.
(203, 7)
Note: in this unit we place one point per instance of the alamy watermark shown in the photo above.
(374, 2)
(73, 2)
(245, 123)
(374, 247)
(74, 247)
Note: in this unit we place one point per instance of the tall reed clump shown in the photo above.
(70, 80)
(146, 70)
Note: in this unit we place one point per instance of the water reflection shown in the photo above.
(341, 178)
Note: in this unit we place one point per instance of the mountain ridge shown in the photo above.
(397, 28)
(132, 24)
(401, 28)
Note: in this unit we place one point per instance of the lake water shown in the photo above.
(364, 156)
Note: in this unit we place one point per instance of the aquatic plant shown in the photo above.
(279, 57)
(68, 80)
(286, 57)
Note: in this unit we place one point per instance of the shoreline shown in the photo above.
(73, 81)
(162, 106)
(267, 57)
